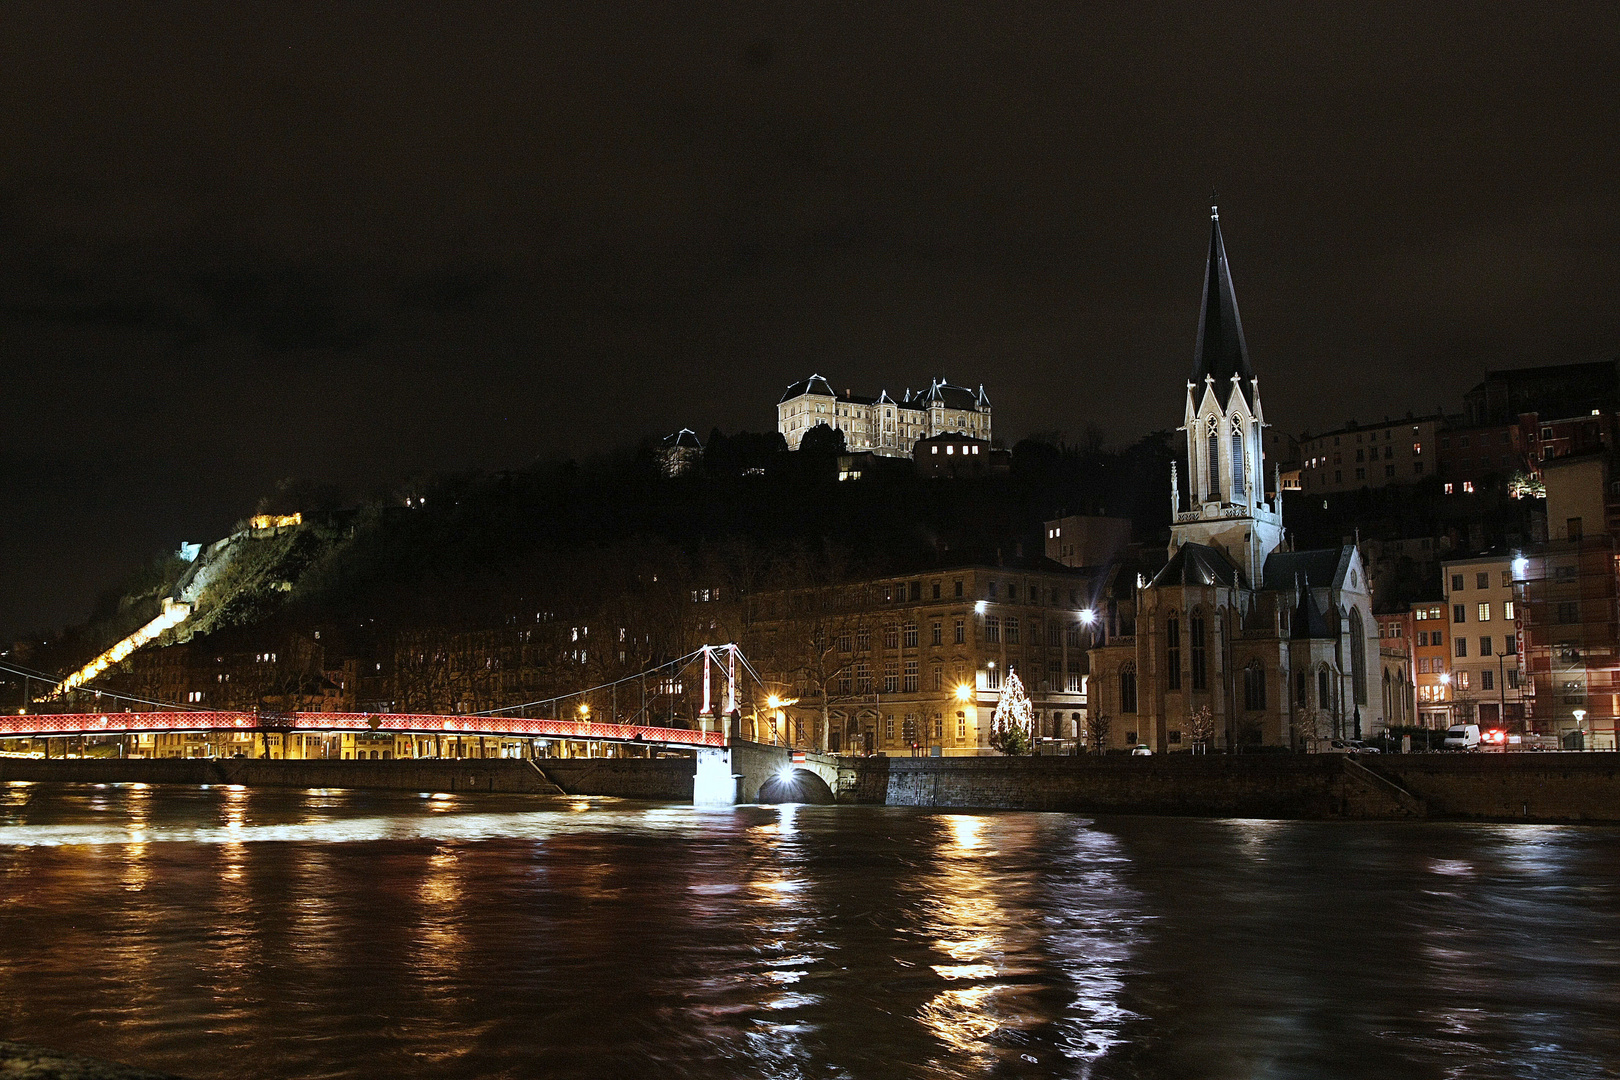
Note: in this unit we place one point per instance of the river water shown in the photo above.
(224, 932)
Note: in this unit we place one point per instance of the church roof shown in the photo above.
(1220, 351)
(1198, 564)
(1310, 621)
(1324, 567)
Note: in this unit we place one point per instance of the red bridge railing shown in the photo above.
(41, 724)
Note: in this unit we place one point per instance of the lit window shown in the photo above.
(1468, 487)
(1448, 489)
(1484, 613)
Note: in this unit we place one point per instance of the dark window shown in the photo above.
(936, 633)
(958, 587)
(1127, 688)
(936, 590)
(1358, 658)
(1485, 647)
(911, 635)
(1487, 679)
(1482, 580)
(1569, 611)
(1195, 626)
(1012, 630)
(1459, 613)
(992, 630)
(1460, 646)
(1456, 583)
(1573, 528)
(1172, 653)
(1324, 699)
(961, 631)
(1254, 687)
(1237, 464)
(1299, 688)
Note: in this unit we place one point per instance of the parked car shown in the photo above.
(1354, 746)
(1142, 750)
(1462, 737)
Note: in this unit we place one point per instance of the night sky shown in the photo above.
(355, 243)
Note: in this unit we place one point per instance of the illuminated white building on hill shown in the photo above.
(882, 425)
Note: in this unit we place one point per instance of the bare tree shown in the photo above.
(1312, 727)
(1100, 726)
(1201, 727)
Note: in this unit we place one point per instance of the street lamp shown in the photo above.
(964, 692)
(1088, 616)
(1580, 725)
(584, 710)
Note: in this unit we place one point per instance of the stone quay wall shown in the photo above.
(1487, 787)
(1534, 787)
(449, 775)
(656, 779)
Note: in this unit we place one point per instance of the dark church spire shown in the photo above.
(1220, 351)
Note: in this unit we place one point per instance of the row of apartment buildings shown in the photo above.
(1528, 638)
(1512, 422)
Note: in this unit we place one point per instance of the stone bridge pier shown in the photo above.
(750, 772)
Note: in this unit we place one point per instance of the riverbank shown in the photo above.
(1552, 787)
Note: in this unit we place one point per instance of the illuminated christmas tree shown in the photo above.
(1014, 719)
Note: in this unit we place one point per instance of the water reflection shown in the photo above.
(370, 934)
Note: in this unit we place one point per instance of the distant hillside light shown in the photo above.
(275, 521)
(174, 613)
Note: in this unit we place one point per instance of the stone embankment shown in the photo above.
(1544, 787)
(1551, 787)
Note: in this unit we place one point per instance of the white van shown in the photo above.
(1462, 737)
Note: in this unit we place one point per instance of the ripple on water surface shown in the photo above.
(220, 932)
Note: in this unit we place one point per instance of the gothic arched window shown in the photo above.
(1200, 662)
(1213, 445)
(1237, 462)
(1127, 688)
(1254, 687)
(1358, 658)
(1172, 652)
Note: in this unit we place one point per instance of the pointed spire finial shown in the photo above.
(1214, 207)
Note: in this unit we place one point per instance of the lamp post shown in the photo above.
(1580, 726)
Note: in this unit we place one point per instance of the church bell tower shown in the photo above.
(1226, 504)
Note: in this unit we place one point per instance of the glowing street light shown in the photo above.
(584, 710)
(964, 692)
(773, 702)
(1088, 616)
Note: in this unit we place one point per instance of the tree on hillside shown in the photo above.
(822, 441)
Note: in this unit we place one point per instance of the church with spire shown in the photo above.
(1239, 640)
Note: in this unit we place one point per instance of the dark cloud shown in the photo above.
(240, 243)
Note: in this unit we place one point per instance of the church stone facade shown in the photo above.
(1237, 641)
